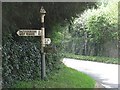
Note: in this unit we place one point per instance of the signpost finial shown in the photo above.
(42, 10)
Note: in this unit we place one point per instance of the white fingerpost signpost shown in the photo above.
(29, 32)
(44, 41)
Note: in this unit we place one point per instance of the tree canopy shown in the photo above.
(94, 28)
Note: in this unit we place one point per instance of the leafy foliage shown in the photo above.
(21, 55)
(22, 61)
(93, 28)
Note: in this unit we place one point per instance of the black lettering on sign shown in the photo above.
(30, 33)
(21, 33)
(39, 32)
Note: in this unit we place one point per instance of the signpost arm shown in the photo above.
(43, 69)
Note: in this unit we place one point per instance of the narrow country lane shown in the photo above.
(106, 74)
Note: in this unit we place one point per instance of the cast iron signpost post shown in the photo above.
(24, 32)
(43, 73)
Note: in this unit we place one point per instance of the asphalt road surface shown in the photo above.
(105, 74)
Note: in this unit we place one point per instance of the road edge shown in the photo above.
(98, 85)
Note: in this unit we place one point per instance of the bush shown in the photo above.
(22, 61)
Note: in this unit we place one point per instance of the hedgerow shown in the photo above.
(22, 61)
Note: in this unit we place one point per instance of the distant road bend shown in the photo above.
(106, 74)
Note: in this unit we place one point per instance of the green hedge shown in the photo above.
(21, 61)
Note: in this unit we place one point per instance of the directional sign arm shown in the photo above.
(47, 40)
(29, 32)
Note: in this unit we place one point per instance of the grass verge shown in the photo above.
(93, 58)
(65, 78)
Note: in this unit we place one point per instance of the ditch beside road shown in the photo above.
(105, 74)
